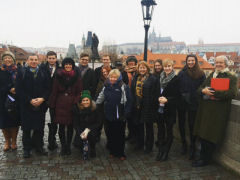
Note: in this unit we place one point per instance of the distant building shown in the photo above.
(221, 47)
(179, 61)
(72, 52)
(156, 44)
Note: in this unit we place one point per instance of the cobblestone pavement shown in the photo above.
(136, 166)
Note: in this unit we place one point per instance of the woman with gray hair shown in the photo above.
(117, 106)
(9, 118)
(214, 109)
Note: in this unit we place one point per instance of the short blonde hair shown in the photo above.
(114, 71)
(167, 62)
(144, 64)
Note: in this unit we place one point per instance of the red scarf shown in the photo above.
(68, 73)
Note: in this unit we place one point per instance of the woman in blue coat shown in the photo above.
(33, 91)
(117, 105)
(9, 117)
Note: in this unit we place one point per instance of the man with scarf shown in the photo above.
(89, 82)
(214, 109)
(33, 90)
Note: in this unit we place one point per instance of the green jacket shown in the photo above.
(212, 115)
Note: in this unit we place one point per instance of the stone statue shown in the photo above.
(94, 47)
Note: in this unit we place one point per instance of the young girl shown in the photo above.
(85, 121)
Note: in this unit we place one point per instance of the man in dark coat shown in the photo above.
(51, 68)
(119, 66)
(33, 90)
(89, 82)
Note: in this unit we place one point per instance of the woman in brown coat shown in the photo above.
(66, 91)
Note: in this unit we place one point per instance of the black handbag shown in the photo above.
(10, 104)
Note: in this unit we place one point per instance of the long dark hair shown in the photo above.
(157, 61)
(195, 72)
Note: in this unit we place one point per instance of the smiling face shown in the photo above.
(84, 61)
(52, 60)
(68, 67)
(220, 64)
(86, 102)
(168, 69)
(191, 62)
(7, 60)
(113, 78)
(33, 61)
(105, 73)
(142, 69)
(106, 61)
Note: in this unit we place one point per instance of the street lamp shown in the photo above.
(147, 11)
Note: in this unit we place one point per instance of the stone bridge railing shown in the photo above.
(228, 154)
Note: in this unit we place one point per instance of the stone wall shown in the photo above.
(228, 154)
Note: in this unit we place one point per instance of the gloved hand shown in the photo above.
(84, 134)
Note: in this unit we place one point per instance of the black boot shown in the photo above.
(69, 140)
(159, 156)
(184, 148)
(52, 145)
(192, 152)
(63, 143)
(26, 154)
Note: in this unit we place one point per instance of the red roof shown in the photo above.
(179, 60)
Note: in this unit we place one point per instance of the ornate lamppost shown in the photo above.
(147, 11)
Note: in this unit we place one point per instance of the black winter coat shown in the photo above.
(148, 109)
(171, 92)
(27, 89)
(46, 68)
(89, 81)
(6, 83)
(85, 118)
(188, 88)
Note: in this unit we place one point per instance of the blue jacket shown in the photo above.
(117, 100)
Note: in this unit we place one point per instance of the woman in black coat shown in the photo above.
(145, 89)
(169, 94)
(9, 117)
(190, 79)
(85, 121)
(33, 91)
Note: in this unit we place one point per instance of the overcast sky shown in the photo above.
(39, 23)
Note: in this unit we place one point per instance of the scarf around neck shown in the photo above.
(83, 69)
(164, 80)
(215, 74)
(11, 69)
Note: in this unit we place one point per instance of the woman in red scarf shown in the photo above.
(66, 91)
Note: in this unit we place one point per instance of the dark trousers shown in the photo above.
(52, 128)
(32, 141)
(104, 122)
(131, 129)
(166, 138)
(116, 139)
(91, 137)
(149, 136)
(191, 120)
(207, 150)
(139, 128)
(65, 136)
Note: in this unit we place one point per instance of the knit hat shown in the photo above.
(9, 53)
(86, 94)
(68, 60)
(131, 58)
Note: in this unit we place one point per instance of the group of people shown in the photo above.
(84, 100)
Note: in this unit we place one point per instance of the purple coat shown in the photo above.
(65, 93)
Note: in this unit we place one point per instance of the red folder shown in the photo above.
(220, 84)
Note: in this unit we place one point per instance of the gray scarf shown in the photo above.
(83, 70)
(164, 80)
